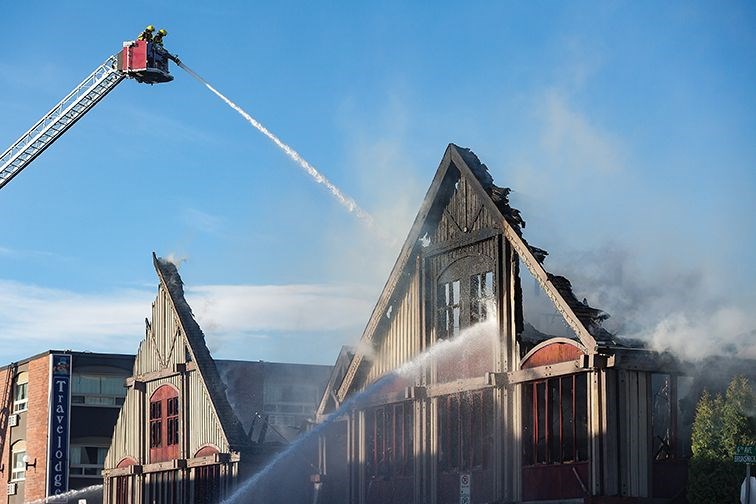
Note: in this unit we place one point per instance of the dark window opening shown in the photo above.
(465, 431)
(207, 484)
(555, 420)
(672, 412)
(452, 300)
(172, 421)
(389, 438)
(156, 427)
(481, 296)
(449, 309)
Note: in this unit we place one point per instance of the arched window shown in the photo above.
(465, 292)
(20, 392)
(18, 462)
(164, 424)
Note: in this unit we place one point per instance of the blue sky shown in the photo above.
(625, 129)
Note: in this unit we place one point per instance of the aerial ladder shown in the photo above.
(141, 60)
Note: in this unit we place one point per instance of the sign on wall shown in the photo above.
(464, 488)
(59, 424)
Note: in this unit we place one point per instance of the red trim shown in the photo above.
(126, 462)
(552, 353)
(206, 451)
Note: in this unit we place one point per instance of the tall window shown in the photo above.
(156, 424)
(18, 464)
(164, 424)
(20, 392)
(481, 296)
(555, 420)
(172, 421)
(389, 436)
(449, 309)
(465, 431)
(465, 294)
(672, 415)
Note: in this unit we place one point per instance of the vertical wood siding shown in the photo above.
(399, 335)
(162, 348)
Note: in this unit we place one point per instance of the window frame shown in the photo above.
(21, 405)
(164, 420)
(99, 399)
(18, 453)
(545, 438)
(73, 467)
(462, 274)
(389, 439)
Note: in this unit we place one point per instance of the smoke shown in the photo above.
(343, 199)
(176, 259)
(688, 311)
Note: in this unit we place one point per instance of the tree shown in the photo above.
(721, 423)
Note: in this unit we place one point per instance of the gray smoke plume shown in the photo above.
(672, 308)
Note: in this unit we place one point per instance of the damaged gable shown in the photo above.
(173, 356)
(463, 212)
(197, 350)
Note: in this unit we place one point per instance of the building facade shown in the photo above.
(470, 386)
(56, 421)
(177, 438)
(191, 428)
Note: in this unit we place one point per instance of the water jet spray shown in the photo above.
(344, 200)
(484, 332)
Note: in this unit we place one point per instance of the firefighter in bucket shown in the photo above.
(147, 34)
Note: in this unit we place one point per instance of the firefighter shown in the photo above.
(159, 37)
(147, 33)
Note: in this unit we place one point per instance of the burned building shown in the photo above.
(457, 394)
(191, 427)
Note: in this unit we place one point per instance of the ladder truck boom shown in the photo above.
(143, 61)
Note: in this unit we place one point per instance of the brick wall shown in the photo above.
(36, 430)
(6, 441)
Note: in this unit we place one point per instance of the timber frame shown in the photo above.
(466, 222)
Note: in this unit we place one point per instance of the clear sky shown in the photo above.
(627, 131)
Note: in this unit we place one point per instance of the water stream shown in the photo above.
(456, 352)
(343, 199)
(94, 491)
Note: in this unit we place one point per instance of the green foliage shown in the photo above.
(721, 423)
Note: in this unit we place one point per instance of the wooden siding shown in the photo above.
(164, 350)
(205, 427)
(163, 346)
(129, 431)
(399, 335)
(464, 213)
(635, 438)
